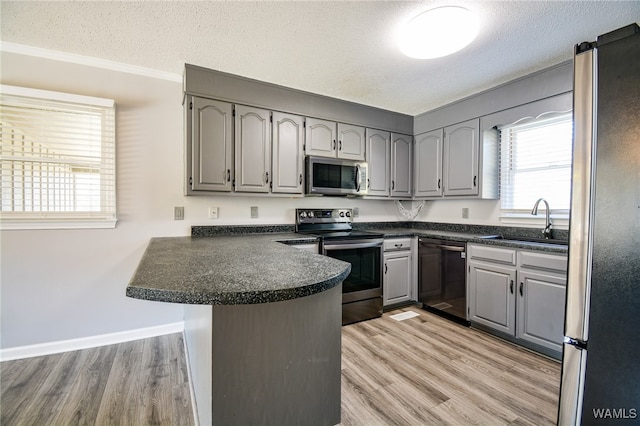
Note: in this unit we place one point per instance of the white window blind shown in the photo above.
(58, 160)
(535, 162)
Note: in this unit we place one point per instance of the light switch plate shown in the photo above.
(465, 213)
(254, 212)
(178, 213)
(213, 212)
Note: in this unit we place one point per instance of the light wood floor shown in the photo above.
(424, 370)
(428, 370)
(143, 382)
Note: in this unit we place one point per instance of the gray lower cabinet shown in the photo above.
(209, 145)
(326, 138)
(378, 155)
(401, 155)
(491, 287)
(397, 281)
(518, 293)
(542, 287)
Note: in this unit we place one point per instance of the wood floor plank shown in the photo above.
(17, 397)
(84, 397)
(122, 394)
(477, 375)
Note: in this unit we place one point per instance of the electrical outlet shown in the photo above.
(254, 212)
(465, 213)
(356, 211)
(213, 212)
(178, 213)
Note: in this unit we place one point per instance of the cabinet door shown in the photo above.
(541, 304)
(288, 156)
(401, 165)
(351, 142)
(428, 164)
(491, 296)
(461, 144)
(253, 149)
(211, 145)
(397, 277)
(321, 138)
(378, 151)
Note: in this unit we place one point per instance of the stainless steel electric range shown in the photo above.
(362, 289)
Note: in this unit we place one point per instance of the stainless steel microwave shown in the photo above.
(334, 176)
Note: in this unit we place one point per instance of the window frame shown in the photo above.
(104, 219)
(523, 216)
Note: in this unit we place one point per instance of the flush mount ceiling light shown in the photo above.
(438, 32)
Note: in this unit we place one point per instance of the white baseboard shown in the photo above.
(49, 348)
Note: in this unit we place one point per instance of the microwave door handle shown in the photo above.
(357, 178)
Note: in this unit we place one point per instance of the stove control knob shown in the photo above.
(303, 214)
(310, 214)
(348, 214)
(341, 214)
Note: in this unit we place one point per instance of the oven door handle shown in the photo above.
(355, 244)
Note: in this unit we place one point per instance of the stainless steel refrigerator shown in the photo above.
(601, 357)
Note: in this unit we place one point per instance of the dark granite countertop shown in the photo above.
(470, 238)
(231, 270)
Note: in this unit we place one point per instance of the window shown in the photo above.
(57, 160)
(535, 162)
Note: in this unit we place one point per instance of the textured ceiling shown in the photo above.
(336, 48)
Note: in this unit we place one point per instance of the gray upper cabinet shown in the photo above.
(351, 142)
(336, 140)
(460, 158)
(321, 138)
(428, 164)
(252, 149)
(401, 156)
(209, 145)
(378, 149)
(287, 153)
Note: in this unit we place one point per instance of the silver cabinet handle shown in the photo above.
(267, 178)
(300, 178)
(385, 268)
(511, 286)
(521, 292)
(339, 145)
(228, 175)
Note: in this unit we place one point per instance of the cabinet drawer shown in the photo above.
(492, 254)
(545, 261)
(397, 244)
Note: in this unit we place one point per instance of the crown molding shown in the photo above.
(57, 55)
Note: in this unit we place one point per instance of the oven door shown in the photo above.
(365, 280)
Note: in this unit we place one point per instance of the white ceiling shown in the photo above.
(336, 48)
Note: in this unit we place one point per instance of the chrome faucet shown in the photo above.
(547, 229)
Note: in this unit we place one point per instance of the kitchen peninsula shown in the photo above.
(262, 324)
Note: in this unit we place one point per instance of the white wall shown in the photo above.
(69, 284)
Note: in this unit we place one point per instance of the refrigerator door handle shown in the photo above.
(580, 222)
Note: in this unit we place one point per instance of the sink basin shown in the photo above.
(525, 239)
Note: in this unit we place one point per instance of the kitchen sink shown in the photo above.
(526, 239)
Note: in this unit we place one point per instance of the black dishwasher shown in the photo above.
(442, 278)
